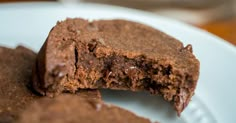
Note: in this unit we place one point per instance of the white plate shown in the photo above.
(214, 101)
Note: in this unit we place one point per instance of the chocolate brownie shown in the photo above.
(116, 54)
(73, 109)
(15, 75)
(89, 94)
(15, 78)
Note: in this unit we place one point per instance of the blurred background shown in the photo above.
(215, 16)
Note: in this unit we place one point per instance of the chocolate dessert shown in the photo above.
(74, 109)
(15, 75)
(92, 94)
(116, 54)
(15, 78)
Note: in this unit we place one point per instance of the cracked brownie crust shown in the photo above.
(73, 109)
(116, 54)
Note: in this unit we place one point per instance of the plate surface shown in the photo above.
(214, 102)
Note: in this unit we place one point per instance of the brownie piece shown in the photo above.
(15, 75)
(73, 109)
(15, 78)
(89, 94)
(116, 54)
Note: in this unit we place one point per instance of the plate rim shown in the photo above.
(22, 5)
(217, 40)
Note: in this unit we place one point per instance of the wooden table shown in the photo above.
(225, 29)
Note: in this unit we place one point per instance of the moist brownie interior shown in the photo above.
(116, 54)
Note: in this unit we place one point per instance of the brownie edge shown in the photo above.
(15, 77)
(74, 109)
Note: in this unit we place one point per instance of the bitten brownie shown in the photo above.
(74, 109)
(116, 54)
(15, 75)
